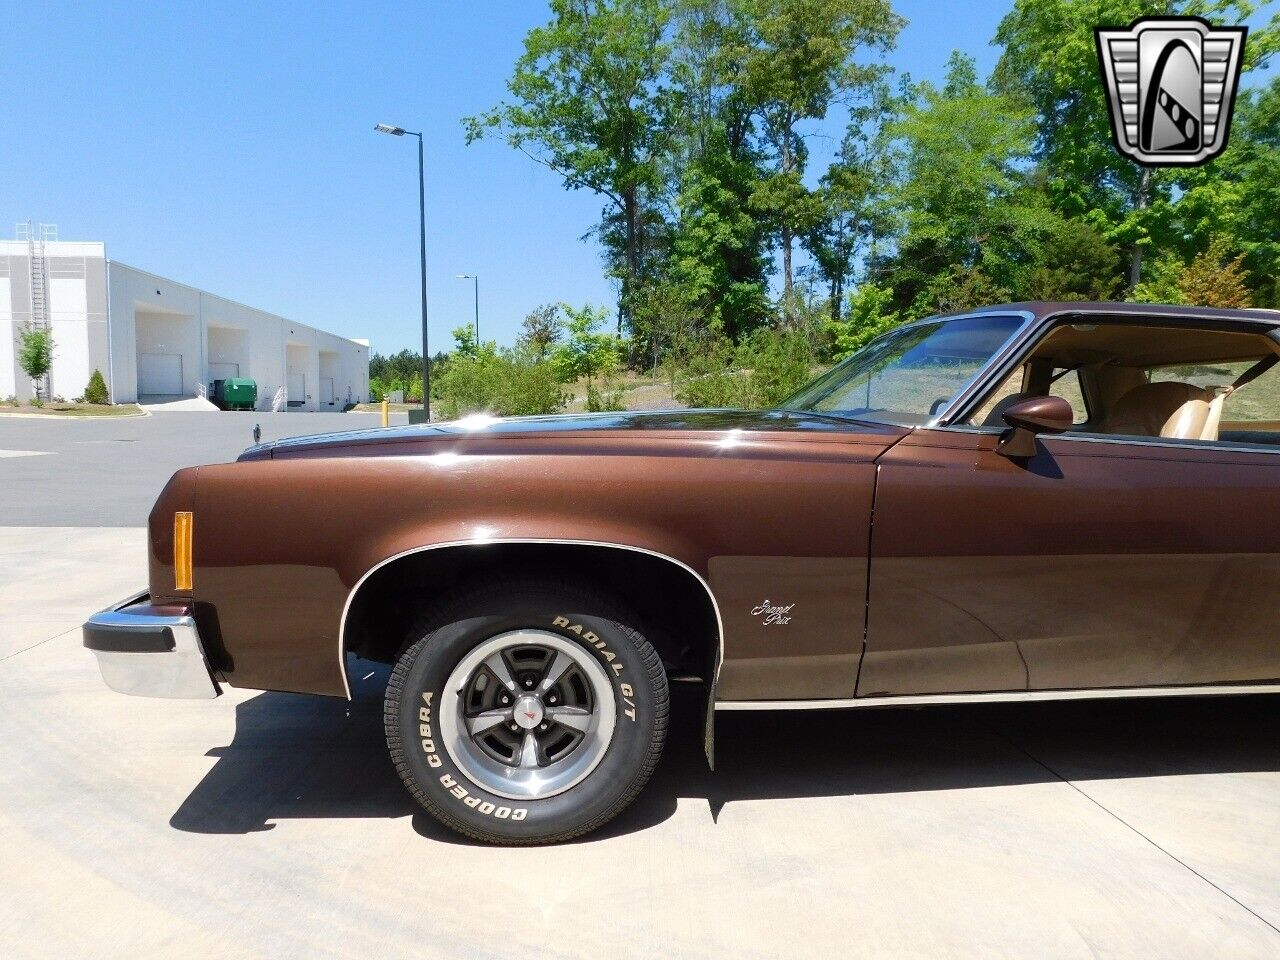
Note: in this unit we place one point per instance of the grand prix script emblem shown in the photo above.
(773, 614)
(1171, 87)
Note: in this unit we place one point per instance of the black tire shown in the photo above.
(437, 644)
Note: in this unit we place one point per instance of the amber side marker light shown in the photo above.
(182, 523)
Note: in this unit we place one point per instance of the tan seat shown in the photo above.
(1170, 409)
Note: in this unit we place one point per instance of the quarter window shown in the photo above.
(1066, 384)
(1255, 402)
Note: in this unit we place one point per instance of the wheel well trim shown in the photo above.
(546, 541)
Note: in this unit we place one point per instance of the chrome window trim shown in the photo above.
(1005, 696)
(978, 377)
(551, 541)
(1087, 437)
(1011, 345)
(1212, 446)
(1029, 334)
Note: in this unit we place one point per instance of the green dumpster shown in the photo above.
(235, 393)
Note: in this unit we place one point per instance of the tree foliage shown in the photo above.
(481, 378)
(740, 263)
(588, 101)
(35, 354)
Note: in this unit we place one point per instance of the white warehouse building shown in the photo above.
(156, 339)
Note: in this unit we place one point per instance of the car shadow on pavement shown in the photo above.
(297, 756)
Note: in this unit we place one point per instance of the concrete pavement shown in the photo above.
(264, 824)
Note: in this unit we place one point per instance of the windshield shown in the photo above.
(909, 375)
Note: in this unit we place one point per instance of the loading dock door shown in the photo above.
(297, 388)
(326, 391)
(223, 371)
(160, 374)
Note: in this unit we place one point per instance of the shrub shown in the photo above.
(468, 386)
(96, 391)
(780, 362)
(608, 396)
(527, 386)
(868, 316)
(1215, 278)
(510, 383)
(766, 368)
(712, 378)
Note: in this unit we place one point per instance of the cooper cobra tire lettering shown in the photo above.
(422, 748)
(476, 803)
(424, 731)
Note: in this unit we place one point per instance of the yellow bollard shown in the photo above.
(386, 413)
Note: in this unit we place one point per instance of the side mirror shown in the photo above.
(1029, 417)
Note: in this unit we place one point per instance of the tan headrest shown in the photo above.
(1167, 409)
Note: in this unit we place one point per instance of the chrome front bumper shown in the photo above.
(150, 651)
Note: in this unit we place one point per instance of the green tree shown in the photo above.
(540, 331)
(1216, 277)
(1161, 282)
(802, 57)
(589, 101)
(1238, 195)
(779, 361)
(1075, 262)
(966, 217)
(35, 354)
(1050, 63)
(96, 390)
(852, 198)
(717, 247)
(870, 314)
(587, 353)
(667, 318)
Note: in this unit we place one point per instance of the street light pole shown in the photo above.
(422, 252)
(476, 278)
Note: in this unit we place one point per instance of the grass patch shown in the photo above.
(76, 410)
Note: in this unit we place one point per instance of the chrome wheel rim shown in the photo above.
(527, 714)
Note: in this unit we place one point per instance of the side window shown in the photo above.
(1067, 386)
(1011, 385)
(1255, 402)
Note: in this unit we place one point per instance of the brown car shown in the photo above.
(1031, 501)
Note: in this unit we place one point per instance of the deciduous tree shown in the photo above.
(590, 99)
(35, 354)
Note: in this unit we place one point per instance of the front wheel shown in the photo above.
(526, 714)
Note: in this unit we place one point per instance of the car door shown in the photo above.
(1100, 562)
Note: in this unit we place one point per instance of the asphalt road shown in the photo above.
(108, 471)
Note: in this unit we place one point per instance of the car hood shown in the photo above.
(650, 422)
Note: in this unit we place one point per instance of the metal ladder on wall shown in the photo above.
(36, 241)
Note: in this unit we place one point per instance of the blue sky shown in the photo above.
(231, 146)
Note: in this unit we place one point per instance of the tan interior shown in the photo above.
(1113, 362)
(1167, 409)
